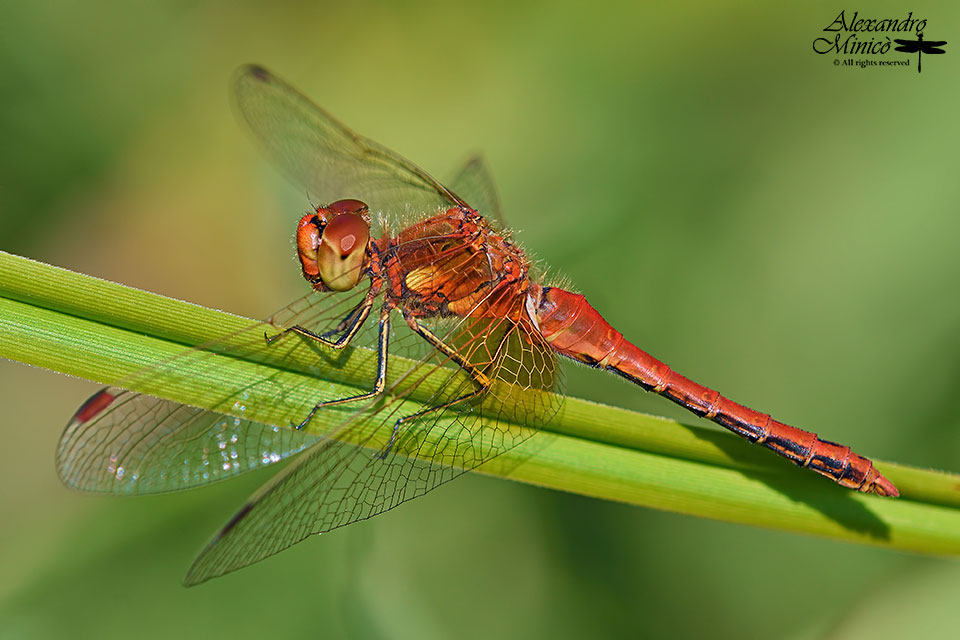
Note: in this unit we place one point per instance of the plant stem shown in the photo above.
(87, 327)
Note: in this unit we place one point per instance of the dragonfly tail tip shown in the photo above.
(883, 487)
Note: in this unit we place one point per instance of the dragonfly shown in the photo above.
(444, 305)
(920, 47)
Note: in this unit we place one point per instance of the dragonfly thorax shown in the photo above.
(333, 245)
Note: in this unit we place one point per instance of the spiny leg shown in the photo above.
(350, 325)
(383, 344)
(482, 381)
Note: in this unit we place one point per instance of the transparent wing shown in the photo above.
(355, 474)
(326, 157)
(474, 183)
(129, 443)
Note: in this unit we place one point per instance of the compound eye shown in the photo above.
(309, 232)
(347, 234)
(347, 206)
(343, 248)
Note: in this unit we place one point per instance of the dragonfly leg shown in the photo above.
(481, 379)
(349, 320)
(350, 325)
(383, 344)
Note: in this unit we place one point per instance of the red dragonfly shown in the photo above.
(472, 312)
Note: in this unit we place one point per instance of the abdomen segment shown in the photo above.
(575, 329)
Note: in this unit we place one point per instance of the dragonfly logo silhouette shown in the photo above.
(920, 47)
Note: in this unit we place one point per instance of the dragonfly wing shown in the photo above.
(127, 443)
(352, 476)
(474, 183)
(325, 156)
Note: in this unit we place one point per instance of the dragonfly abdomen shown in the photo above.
(575, 329)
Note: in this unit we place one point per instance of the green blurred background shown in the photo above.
(770, 224)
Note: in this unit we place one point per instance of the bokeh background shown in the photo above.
(781, 228)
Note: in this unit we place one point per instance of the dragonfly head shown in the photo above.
(333, 245)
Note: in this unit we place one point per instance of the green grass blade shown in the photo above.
(86, 327)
